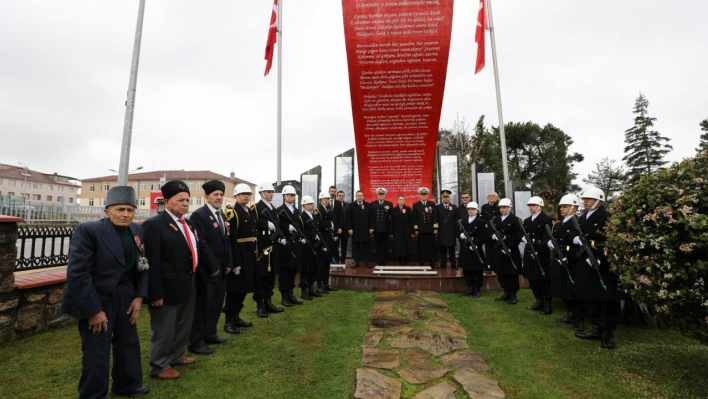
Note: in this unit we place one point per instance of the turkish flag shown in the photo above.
(272, 37)
(479, 36)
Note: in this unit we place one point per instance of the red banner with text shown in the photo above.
(397, 53)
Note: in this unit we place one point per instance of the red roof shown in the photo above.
(171, 175)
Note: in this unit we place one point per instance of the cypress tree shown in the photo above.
(703, 145)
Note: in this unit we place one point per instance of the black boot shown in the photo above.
(369, 265)
(593, 334)
(239, 322)
(512, 298)
(293, 299)
(536, 306)
(261, 310)
(504, 297)
(568, 319)
(469, 292)
(477, 293)
(305, 294)
(313, 292)
(285, 299)
(270, 308)
(330, 288)
(547, 308)
(230, 327)
(608, 340)
(355, 265)
(321, 289)
(579, 325)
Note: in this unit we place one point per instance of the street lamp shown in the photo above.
(160, 204)
(134, 170)
(24, 185)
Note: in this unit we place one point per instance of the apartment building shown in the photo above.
(20, 184)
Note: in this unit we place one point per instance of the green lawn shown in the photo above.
(309, 352)
(535, 357)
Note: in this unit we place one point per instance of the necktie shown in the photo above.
(220, 220)
(380, 202)
(446, 208)
(189, 241)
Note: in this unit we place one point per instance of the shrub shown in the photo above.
(658, 244)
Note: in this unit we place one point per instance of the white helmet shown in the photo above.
(535, 201)
(307, 200)
(265, 187)
(594, 193)
(242, 188)
(505, 202)
(569, 199)
(324, 195)
(289, 190)
(472, 205)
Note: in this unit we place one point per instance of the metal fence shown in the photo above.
(43, 246)
(43, 213)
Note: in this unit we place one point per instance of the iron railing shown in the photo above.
(39, 247)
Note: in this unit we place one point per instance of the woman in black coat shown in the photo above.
(402, 230)
(472, 262)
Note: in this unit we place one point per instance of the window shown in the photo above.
(71, 200)
(199, 185)
(26, 195)
(49, 198)
(106, 186)
(60, 200)
(10, 194)
(142, 201)
(60, 188)
(92, 187)
(191, 201)
(0, 182)
(71, 189)
(135, 186)
(37, 186)
(142, 186)
(36, 197)
(153, 186)
(11, 183)
(90, 201)
(199, 200)
(191, 185)
(50, 187)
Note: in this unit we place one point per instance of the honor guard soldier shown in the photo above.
(339, 208)
(597, 287)
(447, 229)
(563, 268)
(402, 229)
(290, 256)
(381, 225)
(310, 251)
(240, 282)
(425, 227)
(323, 219)
(269, 247)
(505, 256)
(472, 259)
(537, 257)
(358, 223)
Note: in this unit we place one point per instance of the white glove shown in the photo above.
(302, 241)
(236, 270)
(332, 223)
(462, 236)
(576, 240)
(550, 244)
(282, 242)
(564, 260)
(590, 264)
(324, 249)
(271, 226)
(317, 237)
(494, 237)
(523, 239)
(336, 238)
(292, 228)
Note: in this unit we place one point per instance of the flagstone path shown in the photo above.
(414, 343)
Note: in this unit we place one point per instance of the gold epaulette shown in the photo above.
(229, 214)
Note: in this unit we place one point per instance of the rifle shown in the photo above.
(317, 234)
(560, 256)
(531, 247)
(279, 232)
(298, 231)
(500, 240)
(588, 251)
(469, 241)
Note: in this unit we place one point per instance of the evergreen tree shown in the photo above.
(703, 145)
(646, 148)
(607, 177)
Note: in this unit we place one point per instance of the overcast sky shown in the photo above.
(203, 103)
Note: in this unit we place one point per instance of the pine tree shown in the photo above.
(703, 145)
(607, 177)
(646, 148)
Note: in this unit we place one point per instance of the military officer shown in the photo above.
(472, 262)
(602, 303)
(506, 262)
(323, 219)
(358, 224)
(268, 256)
(539, 279)
(425, 227)
(446, 214)
(311, 249)
(381, 224)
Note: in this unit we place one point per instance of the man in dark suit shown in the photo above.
(214, 250)
(381, 224)
(462, 209)
(425, 227)
(172, 249)
(106, 282)
(358, 224)
(490, 209)
(446, 214)
(339, 218)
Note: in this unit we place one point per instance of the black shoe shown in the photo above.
(330, 288)
(322, 290)
(512, 299)
(305, 294)
(313, 293)
(547, 308)
(504, 297)
(270, 308)
(202, 349)
(294, 300)
(608, 340)
(469, 292)
(593, 334)
(477, 293)
(261, 311)
(231, 328)
(579, 326)
(369, 265)
(568, 319)
(215, 340)
(355, 265)
(536, 306)
(285, 301)
(143, 390)
(239, 322)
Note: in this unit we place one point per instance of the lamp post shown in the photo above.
(160, 204)
(24, 185)
(134, 170)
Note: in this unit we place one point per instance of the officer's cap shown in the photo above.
(446, 191)
(381, 190)
(423, 190)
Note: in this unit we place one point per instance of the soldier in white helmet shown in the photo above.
(323, 220)
(311, 250)
(290, 256)
(473, 262)
(539, 277)
(506, 261)
(269, 247)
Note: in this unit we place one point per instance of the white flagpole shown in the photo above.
(280, 87)
(502, 137)
(130, 102)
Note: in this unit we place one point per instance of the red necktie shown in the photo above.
(189, 241)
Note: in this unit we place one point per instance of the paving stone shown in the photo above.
(431, 294)
(414, 314)
(371, 384)
(446, 327)
(445, 315)
(479, 386)
(388, 321)
(388, 293)
(401, 331)
(371, 339)
(417, 357)
(436, 301)
(421, 375)
(432, 342)
(427, 306)
(469, 360)
(381, 309)
(380, 359)
(440, 391)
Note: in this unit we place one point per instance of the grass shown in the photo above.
(311, 351)
(535, 357)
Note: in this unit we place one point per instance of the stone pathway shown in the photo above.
(416, 344)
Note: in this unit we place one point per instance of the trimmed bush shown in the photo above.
(658, 244)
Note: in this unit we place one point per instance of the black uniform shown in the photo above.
(488, 212)
(359, 221)
(448, 233)
(561, 286)
(289, 255)
(508, 275)
(268, 256)
(424, 223)
(402, 228)
(540, 282)
(381, 222)
(339, 219)
(242, 226)
(308, 267)
(472, 266)
(323, 220)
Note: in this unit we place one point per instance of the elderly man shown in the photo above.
(358, 222)
(172, 248)
(425, 227)
(106, 281)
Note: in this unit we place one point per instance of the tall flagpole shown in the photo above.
(130, 102)
(280, 87)
(502, 137)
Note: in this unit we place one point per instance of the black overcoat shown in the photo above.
(402, 228)
(479, 231)
(243, 232)
(447, 225)
(359, 221)
(509, 231)
(537, 233)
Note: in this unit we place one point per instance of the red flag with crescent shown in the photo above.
(272, 37)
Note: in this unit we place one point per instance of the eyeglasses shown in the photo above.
(446, 196)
